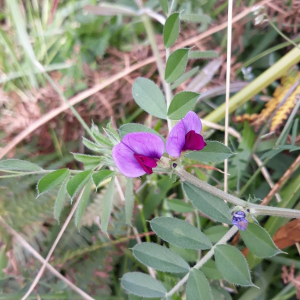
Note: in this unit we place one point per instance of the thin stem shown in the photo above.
(159, 62)
(254, 208)
(144, 223)
(232, 231)
(279, 32)
(151, 37)
(171, 7)
(25, 173)
(17, 174)
(228, 71)
(30, 249)
(40, 273)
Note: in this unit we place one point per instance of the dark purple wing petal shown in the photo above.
(193, 141)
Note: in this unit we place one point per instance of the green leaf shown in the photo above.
(171, 30)
(60, 199)
(149, 97)
(87, 159)
(100, 176)
(232, 265)
(164, 5)
(83, 202)
(176, 64)
(77, 182)
(142, 285)
(129, 201)
(112, 136)
(212, 152)
(208, 204)
(203, 54)
(51, 180)
(112, 133)
(134, 127)
(220, 293)
(180, 233)
(107, 205)
(18, 165)
(101, 138)
(160, 258)
(90, 145)
(195, 18)
(210, 270)
(197, 286)
(184, 77)
(181, 104)
(259, 242)
(189, 255)
(179, 206)
(215, 233)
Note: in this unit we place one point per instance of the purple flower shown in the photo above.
(239, 220)
(185, 135)
(138, 153)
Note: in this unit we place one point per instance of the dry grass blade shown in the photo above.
(30, 249)
(289, 172)
(228, 69)
(98, 87)
(40, 273)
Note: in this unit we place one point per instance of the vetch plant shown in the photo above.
(135, 150)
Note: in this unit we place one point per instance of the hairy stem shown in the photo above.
(18, 174)
(159, 62)
(232, 231)
(255, 209)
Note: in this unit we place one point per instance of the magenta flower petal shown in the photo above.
(192, 122)
(145, 143)
(138, 153)
(185, 135)
(193, 141)
(176, 139)
(126, 162)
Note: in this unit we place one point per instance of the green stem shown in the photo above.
(17, 174)
(171, 7)
(279, 32)
(254, 208)
(233, 230)
(159, 62)
(140, 206)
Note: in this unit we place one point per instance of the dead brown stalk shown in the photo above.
(295, 165)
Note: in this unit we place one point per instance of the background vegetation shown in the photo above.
(94, 59)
